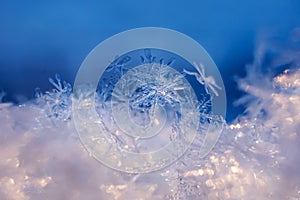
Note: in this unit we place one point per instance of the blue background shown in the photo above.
(41, 38)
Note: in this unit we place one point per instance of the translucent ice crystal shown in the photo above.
(206, 81)
(57, 102)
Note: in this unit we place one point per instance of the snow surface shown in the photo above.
(256, 156)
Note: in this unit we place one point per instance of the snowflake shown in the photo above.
(58, 101)
(152, 95)
(159, 89)
(118, 65)
(208, 82)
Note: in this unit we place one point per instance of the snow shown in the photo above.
(256, 156)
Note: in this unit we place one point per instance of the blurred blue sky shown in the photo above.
(41, 38)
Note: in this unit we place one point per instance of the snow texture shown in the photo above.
(41, 156)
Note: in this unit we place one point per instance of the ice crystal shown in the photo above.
(207, 81)
(157, 92)
(119, 64)
(58, 101)
(160, 90)
(116, 69)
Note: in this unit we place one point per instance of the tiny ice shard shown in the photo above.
(208, 82)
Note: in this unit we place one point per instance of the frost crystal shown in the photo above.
(207, 82)
(119, 64)
(57, 102)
